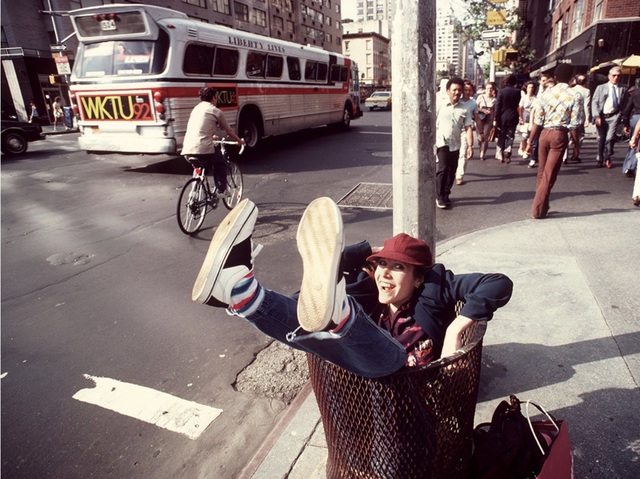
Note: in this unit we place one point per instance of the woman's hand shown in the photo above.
(453, 336)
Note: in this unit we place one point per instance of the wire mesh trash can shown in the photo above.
(416, 423)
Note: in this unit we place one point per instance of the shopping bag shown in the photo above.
(558, 460)
(492, 134)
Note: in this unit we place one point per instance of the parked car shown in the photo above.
(379, 99)
(16, 135)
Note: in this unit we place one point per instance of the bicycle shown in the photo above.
(197, 197)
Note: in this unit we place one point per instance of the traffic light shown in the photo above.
(510, 55)
(55, 79)
(505, 56)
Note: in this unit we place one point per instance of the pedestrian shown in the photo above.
(524, 112)
(634, 143)
(204, 122)
(580, 82)
(57, 112)
(34, 116)
(606, 104)
(486, 103)
(630, 117)
(452, 119)
(505, 117)
(560, 111)
(470, 104)
(398, 311)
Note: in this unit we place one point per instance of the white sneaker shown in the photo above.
(532, 163)
(320, 241)
(229, 257)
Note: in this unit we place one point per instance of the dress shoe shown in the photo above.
(599, 164)
(608, 164)
(636, 201)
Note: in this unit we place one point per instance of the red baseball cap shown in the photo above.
(406, 249)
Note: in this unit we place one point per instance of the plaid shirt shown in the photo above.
(406, 331)
(560, 106)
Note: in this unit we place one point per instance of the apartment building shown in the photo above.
(371, 52)
(582, 33)
(27, 55)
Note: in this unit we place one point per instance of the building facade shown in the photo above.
(582, 33)
(449, 46)
(371, 52)
(28, 55)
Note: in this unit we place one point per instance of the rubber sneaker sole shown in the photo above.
(320, 241)
(235, 229)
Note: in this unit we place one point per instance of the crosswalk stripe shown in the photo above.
(148, 405)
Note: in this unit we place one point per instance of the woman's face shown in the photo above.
(490, 90)
(531, 89)
(396, 282)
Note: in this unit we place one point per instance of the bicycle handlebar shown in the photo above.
(227, 142)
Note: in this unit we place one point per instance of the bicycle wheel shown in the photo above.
(234, 186)
(192, 206)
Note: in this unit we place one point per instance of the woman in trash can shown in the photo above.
(398, 311)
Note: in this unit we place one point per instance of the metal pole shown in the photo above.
(413, 117)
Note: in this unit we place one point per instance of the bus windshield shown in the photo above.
(122, 58)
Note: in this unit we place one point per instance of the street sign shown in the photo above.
(496, 17)
(62, 64)
(59, 47)
(493, 34)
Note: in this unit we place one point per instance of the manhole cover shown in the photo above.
(377, 196)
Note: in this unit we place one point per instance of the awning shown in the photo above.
(632, 62)
(627, 64)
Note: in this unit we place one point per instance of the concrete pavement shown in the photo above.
(569, 339)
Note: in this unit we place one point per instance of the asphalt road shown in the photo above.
(96, 282)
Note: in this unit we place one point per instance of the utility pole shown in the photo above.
(413, 118)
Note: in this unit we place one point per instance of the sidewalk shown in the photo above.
(61, 130)
(569, 338)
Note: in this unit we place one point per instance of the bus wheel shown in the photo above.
(346, 118)
(250, 131)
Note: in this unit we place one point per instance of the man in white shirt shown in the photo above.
(452, 118)
(204, 122)
(607, 103)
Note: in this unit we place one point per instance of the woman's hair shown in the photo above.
(56, 98)
(534, 84)
(469, 83)
(207, 93)
(491, 84)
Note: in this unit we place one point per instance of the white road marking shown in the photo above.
(375, 132)
(148, 405)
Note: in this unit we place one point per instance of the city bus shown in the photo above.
(138, 70)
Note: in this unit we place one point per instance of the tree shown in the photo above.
(474, 24)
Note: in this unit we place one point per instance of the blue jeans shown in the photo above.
(360, 346)
(630, 161)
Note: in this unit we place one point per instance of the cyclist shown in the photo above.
(205, 120)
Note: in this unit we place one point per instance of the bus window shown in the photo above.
(198, 59)
(335, 73)
(293, 64)
(321, 74)
(255, 64)
(121, 58)
(226, 62)
(344, 74)
(310, 71)
(274, 66)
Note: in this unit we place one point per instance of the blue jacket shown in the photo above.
(435, 301)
